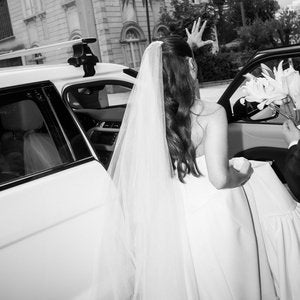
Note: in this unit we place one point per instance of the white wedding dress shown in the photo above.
(245, 242)
(173, 241)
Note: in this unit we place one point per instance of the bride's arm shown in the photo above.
(220, 173)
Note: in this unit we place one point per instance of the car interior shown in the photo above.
(100, 108)
(26, 145)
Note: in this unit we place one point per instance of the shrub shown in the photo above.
(219, 66)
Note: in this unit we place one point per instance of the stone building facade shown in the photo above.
(120, 26)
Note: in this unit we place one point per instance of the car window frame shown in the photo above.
(52, 109)
(239, 78)
(94, 84)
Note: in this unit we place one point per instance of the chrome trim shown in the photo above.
(47, 172)
(80, 128)
(59, 124)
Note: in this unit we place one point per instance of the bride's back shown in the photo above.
(202, 114)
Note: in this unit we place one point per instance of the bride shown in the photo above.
(196, 225)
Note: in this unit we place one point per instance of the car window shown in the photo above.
(249, 110)
(99, 107)
(31, 138)
(256, 71)
(98, 96)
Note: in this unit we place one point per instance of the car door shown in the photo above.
(253, 133)
(99, 107)
(52, 201)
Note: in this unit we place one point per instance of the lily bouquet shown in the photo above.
(279, 89)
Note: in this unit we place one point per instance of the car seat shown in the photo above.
(24, 120)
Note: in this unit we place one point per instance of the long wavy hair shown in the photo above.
(179, 97)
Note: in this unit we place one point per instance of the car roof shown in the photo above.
(82, 67)
(277, 51)
(60, 74)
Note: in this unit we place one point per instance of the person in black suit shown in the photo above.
(292, 166)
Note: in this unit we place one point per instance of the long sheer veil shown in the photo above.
(150, 197)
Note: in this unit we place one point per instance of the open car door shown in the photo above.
(253, 133)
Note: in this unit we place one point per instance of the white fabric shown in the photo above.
(190, 241)
(240, 253)
(40, 153)
(279, 217)
(153, 208)
(113, 276)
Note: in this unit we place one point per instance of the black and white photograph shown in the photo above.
(149, 150)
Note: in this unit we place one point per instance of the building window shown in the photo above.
(160, 31)
(133, 49)
(28, 7)
(32, 7)
(75, 35)
(133, 43)
(5, 28)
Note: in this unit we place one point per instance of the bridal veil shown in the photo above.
(155, 232)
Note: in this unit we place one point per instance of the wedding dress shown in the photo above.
(245, 242)
(166, 240)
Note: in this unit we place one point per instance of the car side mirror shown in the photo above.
(250, 112)
(263, 115)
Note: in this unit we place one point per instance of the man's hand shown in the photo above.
(290, 131)
(195, 36)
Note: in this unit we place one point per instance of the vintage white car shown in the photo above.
(58, 128)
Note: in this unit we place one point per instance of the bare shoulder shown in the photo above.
(209, 114)
(212, 110)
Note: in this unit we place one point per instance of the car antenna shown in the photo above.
(83, 56)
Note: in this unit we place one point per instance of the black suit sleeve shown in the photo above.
(292, 170)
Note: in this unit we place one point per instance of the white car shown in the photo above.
(53, 181)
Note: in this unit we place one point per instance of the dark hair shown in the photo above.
(179, 97)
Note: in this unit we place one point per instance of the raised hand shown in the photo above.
(195, 36)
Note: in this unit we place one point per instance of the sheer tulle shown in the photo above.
(154, 215)
(113, 276)
(40, 153)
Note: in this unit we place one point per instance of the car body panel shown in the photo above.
(51, 221)
(243, 136)
(50, 228)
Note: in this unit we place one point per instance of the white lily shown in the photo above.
(279, 81)
(266, 70)
(274, 88)
(261, 91)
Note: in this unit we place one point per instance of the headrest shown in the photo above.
(21, 116)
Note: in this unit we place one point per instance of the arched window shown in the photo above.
(160, 31)
(75, 35)
(133, 44)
